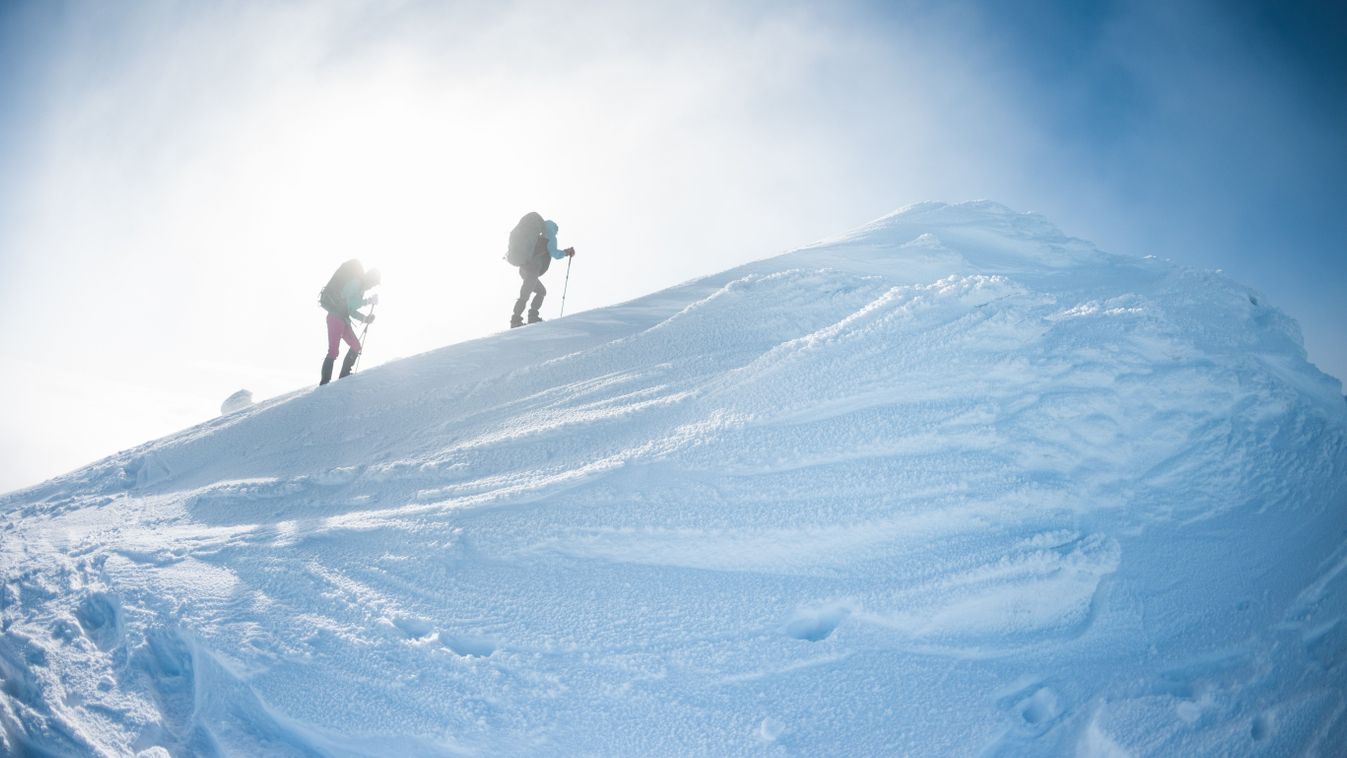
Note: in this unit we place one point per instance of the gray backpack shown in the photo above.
(524, 239)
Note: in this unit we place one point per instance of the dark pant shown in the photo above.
(532, 286)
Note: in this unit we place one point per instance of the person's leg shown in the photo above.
(336, 329)
(352, 349)
(540, 292)
(348, 334)
(525, 289)
(334, 332)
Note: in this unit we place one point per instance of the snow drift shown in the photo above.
(951, 484)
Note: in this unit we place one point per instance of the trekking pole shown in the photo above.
(363, 331)
(566, 286)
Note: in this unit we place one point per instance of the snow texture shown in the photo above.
(951, 484)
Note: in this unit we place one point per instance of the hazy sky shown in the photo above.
(178, 179)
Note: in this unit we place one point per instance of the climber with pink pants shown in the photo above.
(342, 298)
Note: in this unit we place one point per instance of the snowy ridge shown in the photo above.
(954, 483)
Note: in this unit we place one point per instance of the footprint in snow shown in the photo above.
(468, 646)
(1262, 727)
(412, 628)
(147, 471)
(1326, 644)
(816, 624)
(100, 615)
(1034, 707)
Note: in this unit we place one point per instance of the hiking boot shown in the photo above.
(347, 364)
(534, 318)
(327, 371)
(516, 320)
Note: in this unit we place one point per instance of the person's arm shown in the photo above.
(550, 239)
(554, 252)
(371, 300)
(354, 297)
(552, 247)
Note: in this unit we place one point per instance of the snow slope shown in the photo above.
(951, 484)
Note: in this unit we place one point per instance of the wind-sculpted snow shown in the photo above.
(951, 484)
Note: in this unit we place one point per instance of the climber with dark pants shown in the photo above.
(342, 298)
(533, 247)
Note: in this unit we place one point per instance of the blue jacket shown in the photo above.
(550, 234)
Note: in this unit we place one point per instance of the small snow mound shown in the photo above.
(770, 730)
(236, 402)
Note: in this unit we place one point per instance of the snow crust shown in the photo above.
(951, 484)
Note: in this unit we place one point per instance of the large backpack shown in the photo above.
(330, 298)
(524, 238)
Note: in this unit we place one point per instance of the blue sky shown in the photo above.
(181, 177)
(1215, 130)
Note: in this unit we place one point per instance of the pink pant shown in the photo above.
(339, 329)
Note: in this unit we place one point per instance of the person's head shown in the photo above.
(371, 278)
(550, 228)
